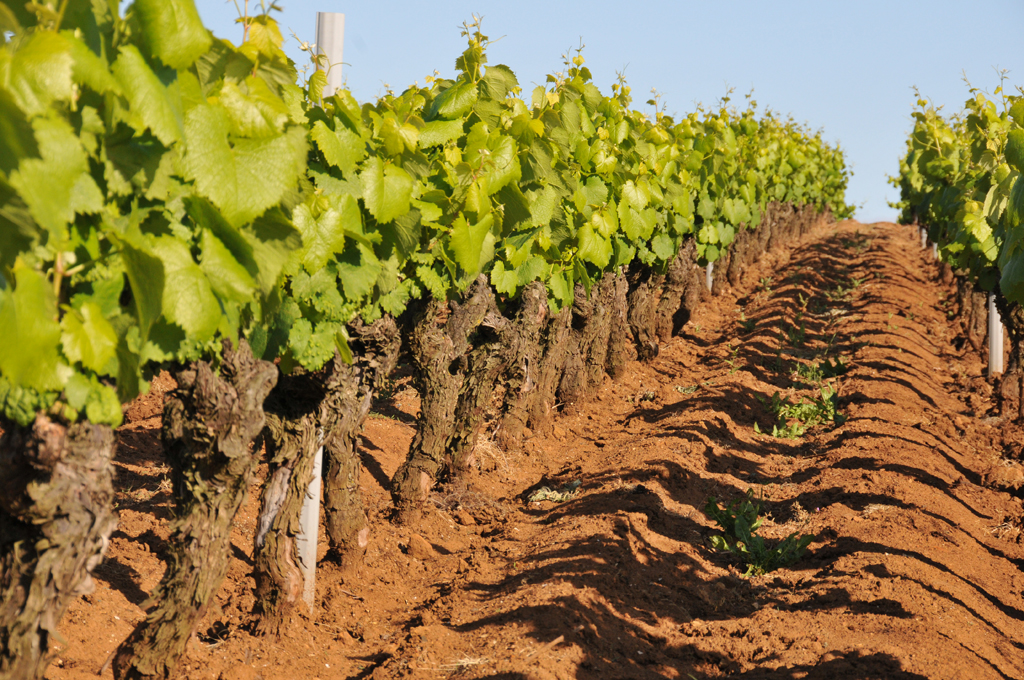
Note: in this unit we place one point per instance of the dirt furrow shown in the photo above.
(915, 570)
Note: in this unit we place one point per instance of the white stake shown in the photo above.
(924, 238)
(306, 540)
(995, 338)
(935, 251)
(709, 274)
(330, 41)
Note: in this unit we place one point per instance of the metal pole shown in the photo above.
(330, 41)
(995, 338)
(709, 274)
(306, 540)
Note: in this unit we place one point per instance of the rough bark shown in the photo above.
(544, 402)
(56, 517)
(680, 292)
(620, 349)
(524, 355)
(1012, 383)
(973, 312)
(293, 435)
(351, 392)
(439, 341)
(209, 422)
(719, 274)
(587, 352)
(488, 361)
(742, 254)
(644, 296)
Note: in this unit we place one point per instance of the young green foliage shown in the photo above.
(739, 522)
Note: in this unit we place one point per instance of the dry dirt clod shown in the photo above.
(420, 548)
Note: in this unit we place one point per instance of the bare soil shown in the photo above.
(916, 569)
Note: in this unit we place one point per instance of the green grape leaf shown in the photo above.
(88, 338)
(39, 72)
(593, 247)
(606, 220)
(149, 100)
(341, 147)
(324, 236)
(1015, 149)
(663, 246)
(311, 348)
(432, 281)
(256, 113)
(17, 139)
(273, 239)
(188, 298)
(173, 31)
(358, 270)
(1017, 112)
(387, 190)
(593, 192)
(57, 185)
(31, 334)
(146, 277)
(472, 244)
(248, 178)
(1011, 282)
(90, 69)
(454, 101)
(228, 277)
(706, 207)
(636, 195)
(561, 289)
(498, 82)
(439, 132)
(504, 281)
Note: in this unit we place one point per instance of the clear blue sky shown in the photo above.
(844, 67)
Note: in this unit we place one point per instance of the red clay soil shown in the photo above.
(914, 501)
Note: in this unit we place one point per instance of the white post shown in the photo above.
(330, 41)
(995, 338)
(924, 238)
(709, 274)
(935, 251)
(306, 540)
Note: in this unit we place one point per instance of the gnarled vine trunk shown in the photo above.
(524, 356)
(209, 423)
(587, 352)
(620, 349)
(681, 292)
(972, 306)
(644, 296)
(293, 435)
(56, 517)
(1011, 386)
(542, 407)
(439, 342)
(350, 394)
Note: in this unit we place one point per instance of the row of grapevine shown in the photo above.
(169, 201)
(961, 180)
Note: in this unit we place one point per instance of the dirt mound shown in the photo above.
(907, 483)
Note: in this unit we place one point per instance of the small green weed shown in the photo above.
(747, 324)
(739, 521)
(794, 335)
(807, 414)
(823, 370)
(766, 285)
